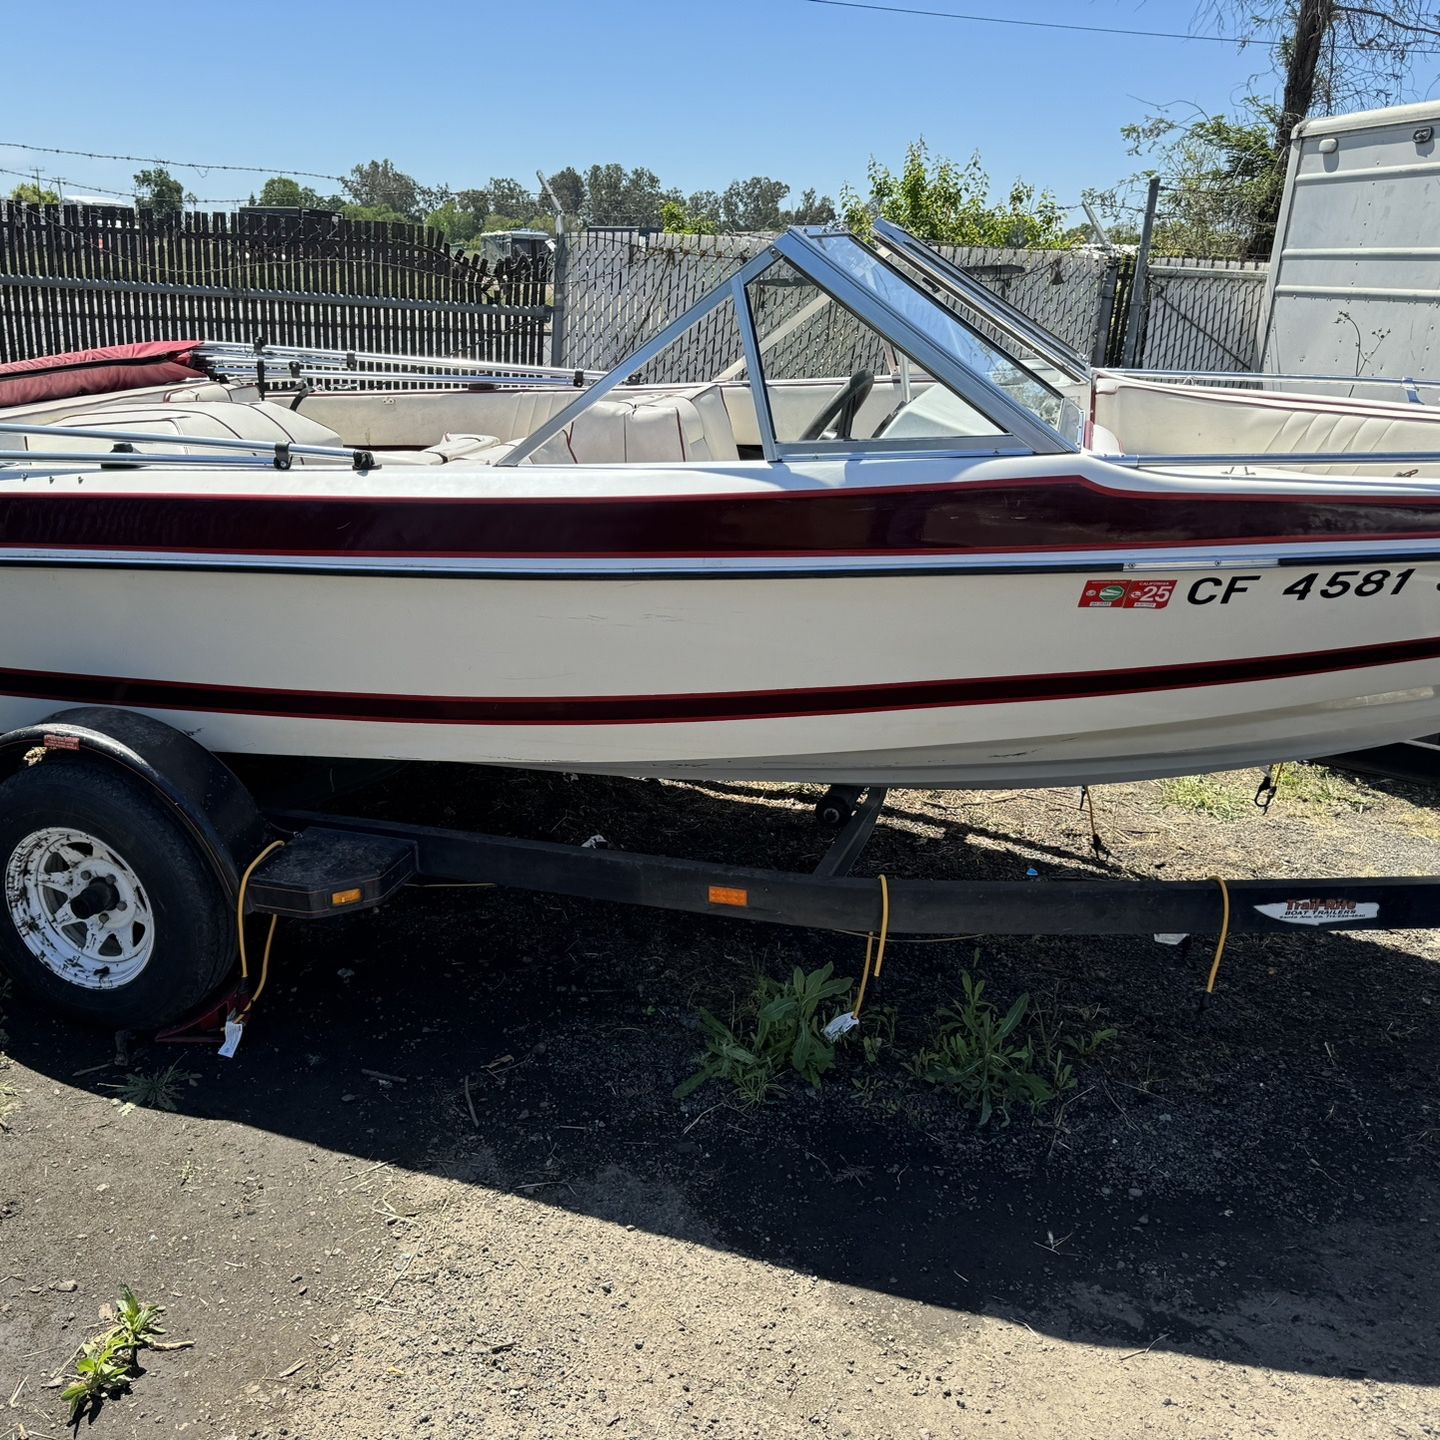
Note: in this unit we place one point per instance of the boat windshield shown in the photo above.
(923, 311)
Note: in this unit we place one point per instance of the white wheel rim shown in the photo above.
(46, 872)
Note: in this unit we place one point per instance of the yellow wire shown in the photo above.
(1224, 935)
(871, 948)
(264, 966)
(250, 869)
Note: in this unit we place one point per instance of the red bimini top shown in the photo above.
(97, 372)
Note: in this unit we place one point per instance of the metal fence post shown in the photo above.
(558, 273)
(1135, 321)
(1105, 311)
(559, 276)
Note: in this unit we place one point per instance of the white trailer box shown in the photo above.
(1354, 284)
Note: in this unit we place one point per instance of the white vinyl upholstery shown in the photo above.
(171, 422)
(651, 426)
(413, 420)
(657, 428)
(450, 449)
(1146, 418)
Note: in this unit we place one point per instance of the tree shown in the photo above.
(378, 185)
(454, 222)
(375, 212)
(475, 204)
(616, 196)
(1219, 180)
(280, 192)
(1331, 56)
(753, 204)
(29, 194)
(510, 197)
(680, 219)
(160, 191)
(811, 210)
(568, 186)
(948, 204)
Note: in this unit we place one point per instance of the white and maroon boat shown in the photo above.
(905, 538)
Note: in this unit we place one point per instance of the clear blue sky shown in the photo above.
(699, 92)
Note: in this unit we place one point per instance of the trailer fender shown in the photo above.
(212, 804)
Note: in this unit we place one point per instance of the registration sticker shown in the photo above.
(1321, 912)
(1126, 594)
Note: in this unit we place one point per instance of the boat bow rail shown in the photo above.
(278, 454)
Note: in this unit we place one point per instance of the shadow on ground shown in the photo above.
(1255, 1185)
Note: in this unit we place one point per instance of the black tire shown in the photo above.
(193, 941)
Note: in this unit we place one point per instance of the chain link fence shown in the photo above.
(619, 290)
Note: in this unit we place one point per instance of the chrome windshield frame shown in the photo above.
(1020, 430)
(996, 310)
(803, 250)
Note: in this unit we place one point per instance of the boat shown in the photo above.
(905, 537)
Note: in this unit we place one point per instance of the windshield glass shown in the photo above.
(948, 331)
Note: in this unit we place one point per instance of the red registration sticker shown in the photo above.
(1126, 594)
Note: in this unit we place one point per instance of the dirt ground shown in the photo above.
(445, 1188)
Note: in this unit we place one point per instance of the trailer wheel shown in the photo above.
(110, 913)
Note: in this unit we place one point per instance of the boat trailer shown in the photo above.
(317, 863)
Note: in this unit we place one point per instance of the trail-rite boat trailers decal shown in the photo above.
(1320, 912)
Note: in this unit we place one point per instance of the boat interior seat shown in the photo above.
(653, 428)
(171, 422)
(416, 420)
(1154, 418)
(209, 391)
(449, 449)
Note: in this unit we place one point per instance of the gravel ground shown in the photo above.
(446, 1189)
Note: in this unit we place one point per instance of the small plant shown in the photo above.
(878, 1034)
(992, 1060)
(1319, 785)
(777, 1027)
(109, 1362)
(158, 1091)
(1204, 795)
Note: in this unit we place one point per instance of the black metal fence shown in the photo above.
(618, 291)
(76, 276)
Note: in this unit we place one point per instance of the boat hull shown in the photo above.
(934, 677)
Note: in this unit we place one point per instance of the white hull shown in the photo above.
(805, 659)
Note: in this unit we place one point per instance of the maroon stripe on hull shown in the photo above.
(1063, 513)
(692, 708)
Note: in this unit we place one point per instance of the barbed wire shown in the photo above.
(45, 180)
(203, 167)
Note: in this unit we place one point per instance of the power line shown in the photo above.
(1082, 29)
(1028, 24)
(179, 164)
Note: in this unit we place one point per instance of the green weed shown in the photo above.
(776, 1028)
(1203, 795)
(1319, 785)
(877, 1033)
(109, 1362)
(160, 1090)
(992, 1061)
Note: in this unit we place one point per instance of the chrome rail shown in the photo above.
(280, 452)
(1280, 459)
(1402, 381)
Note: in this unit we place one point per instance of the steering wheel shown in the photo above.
(842, 407)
